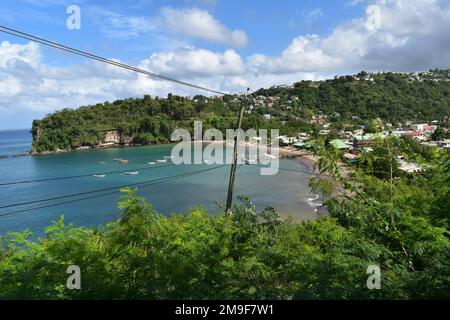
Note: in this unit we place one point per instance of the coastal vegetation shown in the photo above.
(349, 100)
(399, 223)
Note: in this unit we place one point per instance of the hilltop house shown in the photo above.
(423, 128)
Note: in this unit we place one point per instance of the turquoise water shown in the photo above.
(286, 191)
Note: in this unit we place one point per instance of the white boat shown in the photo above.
(151, 162)
(161, 161)
(269, 156)
(99, 175)
(132, 173)
(102, 162)
(251, 161)
(168, 157)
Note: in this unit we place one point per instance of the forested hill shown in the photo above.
(392, 97)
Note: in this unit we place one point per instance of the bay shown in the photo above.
(287, 191)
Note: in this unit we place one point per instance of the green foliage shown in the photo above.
(249, 254)
(439, 134)
(390, 97)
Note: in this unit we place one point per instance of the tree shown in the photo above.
(439, 134)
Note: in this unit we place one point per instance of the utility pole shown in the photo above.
(235, 154)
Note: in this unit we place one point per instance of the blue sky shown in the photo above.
(270, 25)
(223, 44)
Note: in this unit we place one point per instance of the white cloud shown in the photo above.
(407, 35)
(191, 22)
(27, 84)
(304, 54)
(412, 35)
(11, 52)
(195, 63)
(200, 24)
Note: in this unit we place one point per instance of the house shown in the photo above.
(409, 167)
(324, 132)
(319, 121)
(299, 145)
(414, 134)
(339, 144)
(423, 128)
(444, 144)
(364, 141)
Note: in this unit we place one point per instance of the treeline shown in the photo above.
(391, 97)
(400, 225)
(147, 121)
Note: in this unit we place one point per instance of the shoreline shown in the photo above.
(284, 152)
(303, 156)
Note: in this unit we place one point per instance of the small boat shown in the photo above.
(251, 161)
(117, 159)
(123, 161)
(168, 157)
(99, 175)
(269, 156)
(161, 161)
(102, 162)
(132, 173)
(152, 162)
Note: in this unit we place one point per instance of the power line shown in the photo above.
(71, 195)
(143, 185)
(62, 47)
(83, 175)
(285, 169)
(120, 171)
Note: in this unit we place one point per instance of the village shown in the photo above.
(356, 142)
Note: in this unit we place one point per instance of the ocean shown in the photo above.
(286, 191)
(13, 142)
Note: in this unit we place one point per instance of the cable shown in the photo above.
(82, 175)
(70, 195)
(283, 169)
(59, 46)
(146, 184)
(115, 172)
(109, 172)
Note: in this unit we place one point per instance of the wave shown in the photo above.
(314, 199)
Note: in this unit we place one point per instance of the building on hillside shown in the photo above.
(414, 134)
(409, 167)
(444, 144)
(339, 144)
(363, 141)
(424, 127)
(299, 145)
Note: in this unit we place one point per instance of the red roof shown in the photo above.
(413, 134)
